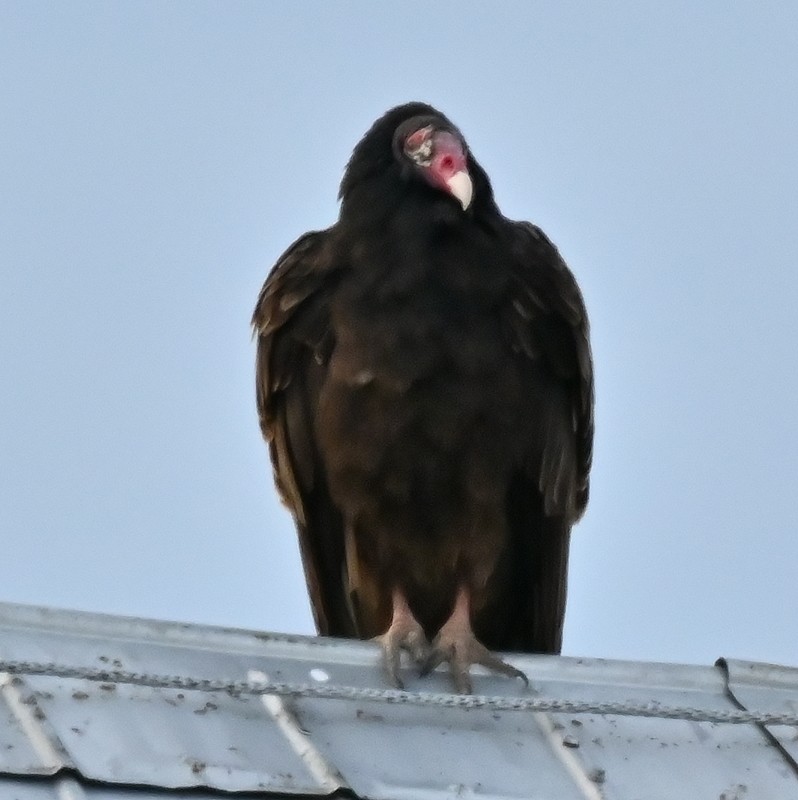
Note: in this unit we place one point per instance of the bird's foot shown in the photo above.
(456, 644)
(404, 633)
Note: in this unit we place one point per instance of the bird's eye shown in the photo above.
(418, 145)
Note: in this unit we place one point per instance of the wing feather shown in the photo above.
(294, 341)
(547, 323)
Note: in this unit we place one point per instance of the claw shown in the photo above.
(461, 649)
(456, 644)
(404, 633)
(436, 656)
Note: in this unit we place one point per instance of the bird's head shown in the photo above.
(414, 150)
(434, 150)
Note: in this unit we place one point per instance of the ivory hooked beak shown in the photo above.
(461, 187)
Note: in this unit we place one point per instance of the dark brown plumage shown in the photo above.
(424, 381)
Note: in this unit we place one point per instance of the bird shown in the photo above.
(424, 382)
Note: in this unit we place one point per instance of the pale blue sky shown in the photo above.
(155, 159)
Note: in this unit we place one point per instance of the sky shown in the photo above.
(157, 157)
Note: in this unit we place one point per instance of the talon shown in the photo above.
(497, 664)
(390, 660)
(462, 681)
(435, 657)
(404, 633)
(456, 644)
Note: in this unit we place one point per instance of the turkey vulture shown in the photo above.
(424, 382)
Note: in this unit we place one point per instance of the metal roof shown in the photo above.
(90, 715)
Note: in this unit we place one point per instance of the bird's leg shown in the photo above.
(457, 644)
(404, 633)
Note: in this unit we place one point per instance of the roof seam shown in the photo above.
(25, 713)
(723, 666)
(287, 723)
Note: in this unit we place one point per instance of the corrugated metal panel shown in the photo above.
(116, 735)
(128, 734)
